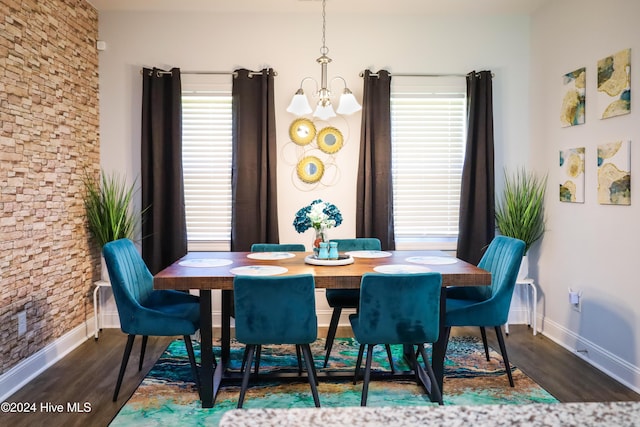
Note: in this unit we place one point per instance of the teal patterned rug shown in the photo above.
(167, 395)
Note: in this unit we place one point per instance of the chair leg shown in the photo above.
(483, 332)
(308, 359)
(299, 357)
(123, 365)
(505, 358)
(358, 363)
(250, 350)
(331, 334)
(436, 395)
(192, 360)
(367, 375)
(257, 362)
(390, 357)
(143, 348)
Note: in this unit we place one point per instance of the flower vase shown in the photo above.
(319, 236)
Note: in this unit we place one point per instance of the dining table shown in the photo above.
(209, 271)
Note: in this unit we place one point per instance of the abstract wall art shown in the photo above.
(614, 173)
(573, 98)
(572, 175)
(614, 84)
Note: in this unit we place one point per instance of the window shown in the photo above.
(206, 160)
(428, 130)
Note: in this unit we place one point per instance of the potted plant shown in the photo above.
(520, 213)
(109, 212)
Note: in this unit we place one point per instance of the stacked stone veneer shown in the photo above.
(48, 139)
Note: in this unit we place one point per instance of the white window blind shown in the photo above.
(206, 160)
(428, 140)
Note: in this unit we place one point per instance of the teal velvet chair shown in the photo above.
(345, 298)
(277, 247)
(145, 311)
(276, 310)
(274, 247)
(398, 309)
(488, 306)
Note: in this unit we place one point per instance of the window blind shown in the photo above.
(206, 160)
(428, 140)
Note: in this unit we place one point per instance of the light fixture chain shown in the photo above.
(324, 50)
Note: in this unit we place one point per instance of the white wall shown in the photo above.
(588, 247)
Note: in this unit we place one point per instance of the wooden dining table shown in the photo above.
(207, 271)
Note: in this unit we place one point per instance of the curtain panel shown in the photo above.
(164, 229)
(477, 198)
(374, 206)
(254, 217)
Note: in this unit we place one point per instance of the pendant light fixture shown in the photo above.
(324, 109)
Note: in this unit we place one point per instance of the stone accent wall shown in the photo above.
(48, 141)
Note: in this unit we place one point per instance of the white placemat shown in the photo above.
(258, 270)
(205, 262)
(368, 254)
(433, 260)
(270, 255)
(401, 269)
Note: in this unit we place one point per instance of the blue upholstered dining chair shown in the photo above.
(398, 309)
(345, 298)
(145, 311)
(276, 310)
(488, 306)
(273, 247)
(277, 247)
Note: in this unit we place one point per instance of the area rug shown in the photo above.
(167, 395)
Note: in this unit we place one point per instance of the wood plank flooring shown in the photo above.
(88, 375)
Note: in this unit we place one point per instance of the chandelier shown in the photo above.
(324, 109)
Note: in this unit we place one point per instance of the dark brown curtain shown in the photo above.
(477, 199)
(254, 215)
(374, 206)
(164, 229)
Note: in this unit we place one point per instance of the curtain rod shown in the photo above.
(232, 73)
(420, 75)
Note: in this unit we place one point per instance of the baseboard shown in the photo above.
(607, 362)
(18, 376)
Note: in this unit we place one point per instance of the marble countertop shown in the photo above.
(618, 414)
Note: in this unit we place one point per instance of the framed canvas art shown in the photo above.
(572, 175)
(614, 173)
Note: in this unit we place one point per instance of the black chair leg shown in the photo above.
(436, 395)
(358, 363)
(298, 356)
(483, 332)
(367, 375)
(250, 350)
(123, 365)
(331, 334)
(505, 358)
(257, 362)
(390, 357)
(308, 359)
(143, 348)
(192, 360)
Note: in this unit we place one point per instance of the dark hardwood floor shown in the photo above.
(88, 375)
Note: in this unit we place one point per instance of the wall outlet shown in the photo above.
(22, 323)
(575, 299)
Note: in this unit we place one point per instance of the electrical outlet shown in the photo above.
(575, 299)
(22, 323)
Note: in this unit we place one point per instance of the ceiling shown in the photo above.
(423, 7)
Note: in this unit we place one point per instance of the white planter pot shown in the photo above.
(104, 273)
(523, 273)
